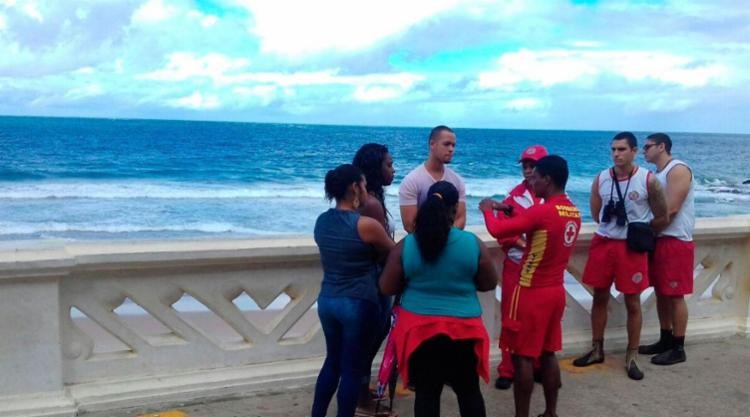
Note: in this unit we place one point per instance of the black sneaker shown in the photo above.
(654, 348)
(634, 372)
(670, 357)
(503, 383)
(590, 358)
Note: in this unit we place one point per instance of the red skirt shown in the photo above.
(412, 329)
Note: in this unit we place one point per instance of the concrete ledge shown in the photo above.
(42, 405)
(195, 386)
(43, 282)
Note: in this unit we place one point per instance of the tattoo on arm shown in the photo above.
(658, 203)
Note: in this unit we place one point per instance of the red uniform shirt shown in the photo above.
(521, 197)
(552, 229)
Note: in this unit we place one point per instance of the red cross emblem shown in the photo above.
(571, 231)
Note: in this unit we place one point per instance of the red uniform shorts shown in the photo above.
(672, 265)
(511, 274)
(534, 324)
(610, 260)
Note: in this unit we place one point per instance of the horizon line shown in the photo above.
(32, 116)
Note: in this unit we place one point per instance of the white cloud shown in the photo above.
(298, 28)
(228, 71)
(31, 10)
(153, 11)
(196, 101)
(209, 21)
(549, 68)
(85, 71)
(328, 77)
(82, 13)
(185, 65)
(205, 20)
(119, 66)
(526, 103)
(586, 44)
(3, 22)
(86, 91)
(264, 93)
(376, 93)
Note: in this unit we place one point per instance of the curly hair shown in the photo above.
(369, 158)
(339, 179)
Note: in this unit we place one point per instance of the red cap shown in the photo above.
(534, 153)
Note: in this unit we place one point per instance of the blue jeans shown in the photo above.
(348, 328)
(381, 328)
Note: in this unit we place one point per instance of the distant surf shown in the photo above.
(88, 179)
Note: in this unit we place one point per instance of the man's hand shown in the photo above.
(486, 204)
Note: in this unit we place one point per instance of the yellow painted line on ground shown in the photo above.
(168, 413)
(567, 366)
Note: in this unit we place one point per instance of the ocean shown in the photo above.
(94, 179)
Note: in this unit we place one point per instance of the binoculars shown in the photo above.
(616, 210)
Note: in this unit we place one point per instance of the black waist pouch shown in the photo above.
(641, 238)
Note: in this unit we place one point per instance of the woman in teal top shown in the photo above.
(439, 335)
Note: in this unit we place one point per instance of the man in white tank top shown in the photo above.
(672, 265)
(610, 260)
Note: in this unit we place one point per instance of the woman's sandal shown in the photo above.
(367, 412)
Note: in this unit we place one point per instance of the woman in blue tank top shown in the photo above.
(350, 247)
(439, 335)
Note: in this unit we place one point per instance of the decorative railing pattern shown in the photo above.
(211, 331)
(146, 311)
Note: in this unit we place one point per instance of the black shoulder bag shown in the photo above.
(640, 237)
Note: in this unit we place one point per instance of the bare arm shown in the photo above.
(595, 201)
(460, 220)
(658, 204)
(392, 278)
(372, 232)
(409, 217)
(373, 208)
(678, 187)
(486, 278)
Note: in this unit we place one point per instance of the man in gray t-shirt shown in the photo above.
(413, 190)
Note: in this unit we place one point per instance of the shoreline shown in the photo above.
(240, 242)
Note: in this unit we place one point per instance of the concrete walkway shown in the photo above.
(714, 382)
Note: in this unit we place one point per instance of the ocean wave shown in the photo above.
(147, 190)
(722, 190)
(480, 188)
(29, 228)
(718, 189)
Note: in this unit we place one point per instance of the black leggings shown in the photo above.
(439, 361)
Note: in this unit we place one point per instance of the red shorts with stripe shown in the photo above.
(672, 265)
(610, 260)
(534, 324)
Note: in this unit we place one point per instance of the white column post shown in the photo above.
(30, 350)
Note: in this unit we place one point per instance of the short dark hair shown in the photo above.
(659, 138)
(339, 179)
(632, 141)
(437, 130)
(555, 167)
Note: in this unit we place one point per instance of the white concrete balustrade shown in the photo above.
(86, 326)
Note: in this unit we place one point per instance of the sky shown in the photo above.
(668, 65)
